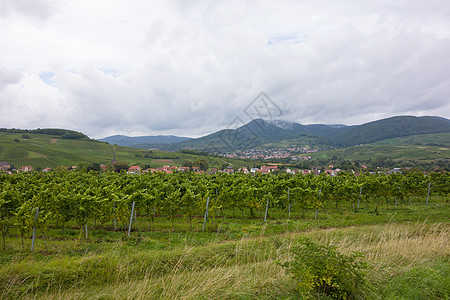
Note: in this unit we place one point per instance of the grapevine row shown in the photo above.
(64, 197)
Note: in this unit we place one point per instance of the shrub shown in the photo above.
(323, 270)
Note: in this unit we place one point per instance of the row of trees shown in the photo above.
(64, 197)
(201, 163)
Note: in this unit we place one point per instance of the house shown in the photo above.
(253, 170)
(332, 172)
(270, 168)
(4, 166)
(394, 171)
(265, 169)
(134, 169)
(26, 169)
(229, 170)
(244, 170)
(46, 170)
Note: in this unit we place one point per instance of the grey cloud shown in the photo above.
(193, 69)
(39, 9)
(8, 77)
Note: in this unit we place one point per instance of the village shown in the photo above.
(272, 153)
(167, 169)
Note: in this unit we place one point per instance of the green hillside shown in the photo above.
(422, 147)
(249, 136)
(400, 126)
(261, 133)
(46, 150)
(303, 140)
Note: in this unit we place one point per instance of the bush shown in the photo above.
(323, 270)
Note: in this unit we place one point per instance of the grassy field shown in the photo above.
(426, 147)
(406, 247)
(41, 151)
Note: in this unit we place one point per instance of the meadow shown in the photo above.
(236, 257)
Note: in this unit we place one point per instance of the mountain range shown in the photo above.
(261, 133)
(138, 141)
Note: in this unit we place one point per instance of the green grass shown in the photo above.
(234, 259)
(43, 151)
(424, 147)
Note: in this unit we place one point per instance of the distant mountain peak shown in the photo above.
(283, 124)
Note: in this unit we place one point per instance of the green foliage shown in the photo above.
(420, 282)
(201, 163)
(187, 163)
(323, 270)
(94, 167)
(390, 128)
(194, 152)
(119, 166)
(62, 133)
(84, 166)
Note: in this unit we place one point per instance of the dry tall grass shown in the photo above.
(240, 274)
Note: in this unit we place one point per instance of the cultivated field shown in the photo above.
(235, 258)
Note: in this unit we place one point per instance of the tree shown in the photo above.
(94, 167)
(201, 163)
(187, 163)
(83, 166)
(119, 166)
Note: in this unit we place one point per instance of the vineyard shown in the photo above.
(112, 201)
(77, 235)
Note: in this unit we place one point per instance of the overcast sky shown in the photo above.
(189, 68)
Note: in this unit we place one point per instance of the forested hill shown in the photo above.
(277, 133)
(56, 132)
(390, 128)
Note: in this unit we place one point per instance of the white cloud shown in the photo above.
(168, 67)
